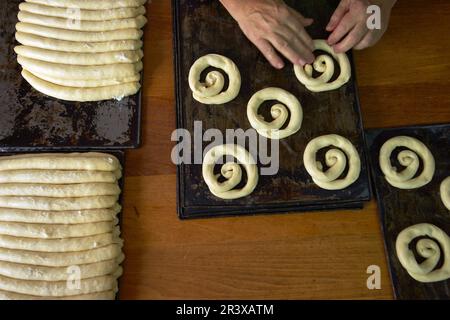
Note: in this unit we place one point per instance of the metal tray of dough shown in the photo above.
(120, 155)
(202, 27)
(30, 120)
(400, 209)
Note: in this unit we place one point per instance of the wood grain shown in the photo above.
(402, 81)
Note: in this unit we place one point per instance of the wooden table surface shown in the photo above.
(403, 80)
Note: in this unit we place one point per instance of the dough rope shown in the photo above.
(335, 159)
(75, 72)
(83, 15)
(42, 273)
(87, 83)
(445, 192)
(90, 4)
(61, 259)
(61, 244)
(60, 288)
(54, 231)
(210, 92)
(59, 217)
(105, 295)
(58, 204)
(79, 36)
(76, 58)
(279, 113)
(59, 190)
(325, 65)
(95, 26)
(410, 160)
(428, 249)
(77, 47)
(117, 92)
(231, 171)
(58, 176)
(61, 161)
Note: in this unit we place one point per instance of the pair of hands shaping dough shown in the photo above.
(431, 249)
(275, 28)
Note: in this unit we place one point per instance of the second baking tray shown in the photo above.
(203, 27)
(400, 209)
(120, 155)
(30, 120)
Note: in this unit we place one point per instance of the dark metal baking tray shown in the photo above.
(202, 27)
(400, 209)
(30, 120)
(120, 155)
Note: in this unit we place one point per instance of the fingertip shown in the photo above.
(305, 61)
(337, 49)
(278, 65)
(331, 24)
(332, 39)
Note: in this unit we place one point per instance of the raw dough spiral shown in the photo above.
(427, 249)
(335, 159)
(325, 65)
(410, 160)
(231, 171)
(279, 113)
(210, 92)
(445, 192)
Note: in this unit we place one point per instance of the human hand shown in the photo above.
(348, 24)
(274, 28)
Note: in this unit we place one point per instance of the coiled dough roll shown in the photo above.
(279, 113)
(325, 65)
(432, 249)
(210, 92)
(406, 179)
(337, 159)
(231, 171)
